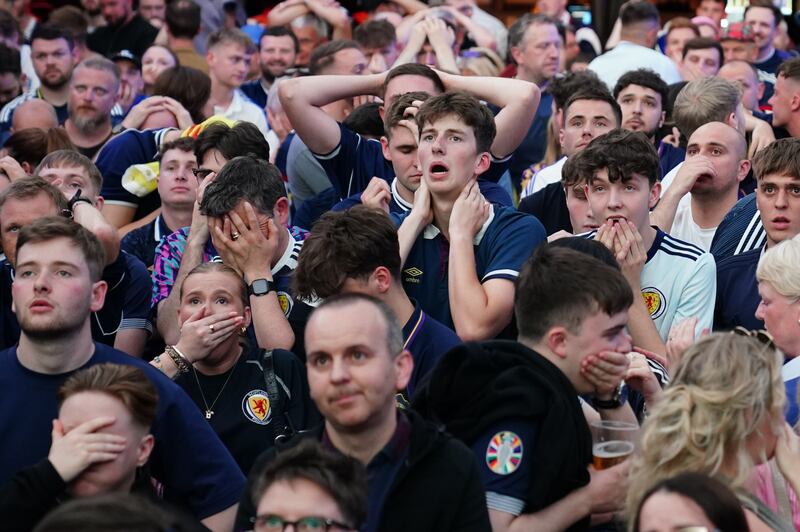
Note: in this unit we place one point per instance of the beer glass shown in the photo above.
(612, 442)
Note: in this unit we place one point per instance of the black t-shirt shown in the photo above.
(136, 35)
(549, 205)
(242, 411)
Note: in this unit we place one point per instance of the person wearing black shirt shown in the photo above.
(226, 377)
(126, 30)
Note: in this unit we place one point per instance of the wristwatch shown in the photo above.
(260, 287)
(609, 404)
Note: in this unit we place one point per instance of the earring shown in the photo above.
(243, 330)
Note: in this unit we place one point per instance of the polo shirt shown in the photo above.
(492, 192)
(678, 281)
(382, 469)
(241, 108)
(142, 242)
(117, 155)
(427, 340)
(126, 305)
(255, 90)
(740, 231)
(135, 35)
(502, 245)
(188, 458)
(243, 416)
(737, 292)
(627, 56)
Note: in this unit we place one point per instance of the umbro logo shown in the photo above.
(412, 275)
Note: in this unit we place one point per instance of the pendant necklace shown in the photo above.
(209, 409)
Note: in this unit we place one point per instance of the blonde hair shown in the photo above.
(778, 267)
(724, 387)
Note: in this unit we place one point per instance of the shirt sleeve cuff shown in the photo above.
(504, 503)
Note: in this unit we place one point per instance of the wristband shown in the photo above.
(178, 358)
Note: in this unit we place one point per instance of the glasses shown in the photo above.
(761, 335)
(201, 173)
(276, 523)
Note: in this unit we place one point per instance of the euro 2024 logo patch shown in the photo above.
(654, 300)
(256, 407)
(504, 453)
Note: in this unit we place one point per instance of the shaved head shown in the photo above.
(34, 113)
(723, 133)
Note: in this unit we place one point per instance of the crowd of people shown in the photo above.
(387, 265)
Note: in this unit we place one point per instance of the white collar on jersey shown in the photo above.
(431, 231)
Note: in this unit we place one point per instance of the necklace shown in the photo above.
(209, 409)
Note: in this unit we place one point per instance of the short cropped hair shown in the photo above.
(30, 187)
(768, 4)
(702, 43)
(413, 69)
(789, 69)
(375, 34)
(564, 86)
(644, 77)
(394, 114)
(279, 31)
(638, 11)
(71, 158)
(394, 332)
(182, 18)
(780, 157)
(323, 55)
(563, 287)
(346, 245)
(52, 227)
(593, 93)
(469, 110)
(244, 138)
(181, 143)
(516, 33)
(128, 384)
(365, 120)
(244, 178)
(704, 100)
(622, 153)
(102, 64)
(342, 477)
(48, 31)
(681, 23)
(232, 36)
(73, 20)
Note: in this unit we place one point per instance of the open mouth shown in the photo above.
(781, 222)
(616, 219)
(438, 170)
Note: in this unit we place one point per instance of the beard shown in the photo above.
(86, 123)
(270, 74)
(57, 84)
(54, 329)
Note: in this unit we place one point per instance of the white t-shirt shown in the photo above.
(685, 229)
(545, 176)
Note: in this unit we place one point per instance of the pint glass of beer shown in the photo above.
(612, 442)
